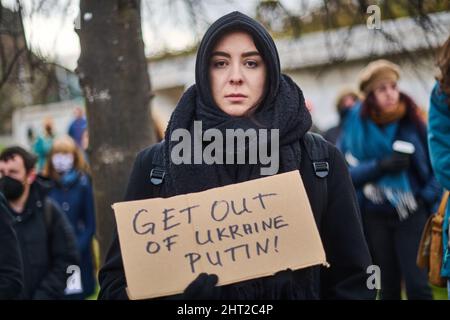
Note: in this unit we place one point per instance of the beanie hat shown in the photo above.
(376, 72)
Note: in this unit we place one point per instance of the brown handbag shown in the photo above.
(430, 247)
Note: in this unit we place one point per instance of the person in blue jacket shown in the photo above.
(397, 190)
(72, 190)
(439, 142)
(78, 126)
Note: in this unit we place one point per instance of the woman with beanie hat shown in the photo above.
(239, 86)
(386, 148)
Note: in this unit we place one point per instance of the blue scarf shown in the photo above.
(364, 140)
(68, 178)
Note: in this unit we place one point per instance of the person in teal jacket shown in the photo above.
(43, 144)
(439, 143)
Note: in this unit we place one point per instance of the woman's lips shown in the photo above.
(236, 97)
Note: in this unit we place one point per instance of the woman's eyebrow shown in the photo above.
(221, 53)
(227, 55)
(250, 53)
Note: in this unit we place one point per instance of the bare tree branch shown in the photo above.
(6, 74)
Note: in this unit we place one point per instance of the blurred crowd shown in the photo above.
(46, 194)
(398, 161)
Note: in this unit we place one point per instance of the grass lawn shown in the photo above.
(95, 294)
(439, 293)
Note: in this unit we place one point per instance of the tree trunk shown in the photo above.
(113, 74)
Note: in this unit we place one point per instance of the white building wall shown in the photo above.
(309, 61)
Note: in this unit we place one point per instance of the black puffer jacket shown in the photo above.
(338, 221)
(11, 271)
(47, 245)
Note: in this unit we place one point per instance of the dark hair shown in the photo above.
(29, 159)
(412, 110)
(340, 100)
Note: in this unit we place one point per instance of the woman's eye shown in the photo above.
(219, 64)
(381, 89)
(251, 64)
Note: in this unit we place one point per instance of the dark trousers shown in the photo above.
(394, 244)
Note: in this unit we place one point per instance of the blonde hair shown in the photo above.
(65, 144)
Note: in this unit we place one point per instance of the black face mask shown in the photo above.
(12, 189)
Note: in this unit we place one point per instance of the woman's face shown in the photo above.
(387, 95)
(62, 161)
(237, 74)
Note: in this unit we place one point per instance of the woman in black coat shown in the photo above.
(239, 85)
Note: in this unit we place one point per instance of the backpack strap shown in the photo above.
(158, 171)
(317, 150)
(315, 146)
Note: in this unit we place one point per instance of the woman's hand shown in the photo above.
(395, 163)
(203, 288)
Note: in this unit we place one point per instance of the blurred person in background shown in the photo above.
(85, 144)
(439, 142)
(30, 137)
(71, 189)
(46, 239)
(397, 190)
(346, 99)
(77, 126)
(43, 143)
(310, 106)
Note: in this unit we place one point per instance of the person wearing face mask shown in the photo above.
(46, 240)
(43, 143)
(11, 269)
(385, 144)
(239, 85)
(71, 189)
(346, 99)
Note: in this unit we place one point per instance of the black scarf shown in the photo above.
(283, 108)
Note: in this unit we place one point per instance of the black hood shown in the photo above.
(263, 42)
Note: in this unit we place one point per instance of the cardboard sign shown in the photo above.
(239, 232)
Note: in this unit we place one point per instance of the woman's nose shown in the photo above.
(236, 75)
(391, 91)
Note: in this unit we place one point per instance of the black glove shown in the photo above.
(291, 285)
(203, 288)
(395, 163)
(280, 285)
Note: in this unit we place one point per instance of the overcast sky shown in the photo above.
(164, 26)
